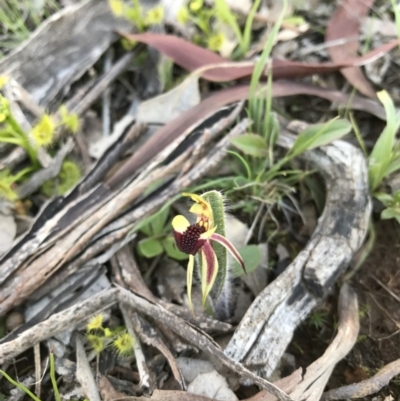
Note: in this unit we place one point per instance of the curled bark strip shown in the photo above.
(319, 372)
(268, 326)
(365, 387)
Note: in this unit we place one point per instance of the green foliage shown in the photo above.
(260, 103)
(69, 120)
(318, 319)
(251, 145)
(392, 204)
(268, 182)
(197, 13)
(27, 391)
(11, 132)
(318, 135)
(135, 14)
(68, 177)
(251, 255)
(43, 134)
(385, 156)
(18, 16)
(8, 183)
(159, 238)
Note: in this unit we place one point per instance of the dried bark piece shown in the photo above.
(62, 49)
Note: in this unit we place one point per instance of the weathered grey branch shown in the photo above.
(51, 59)
(57, 323)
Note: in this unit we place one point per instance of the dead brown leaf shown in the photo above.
(218, 69)
(191, 118)
(345, 24)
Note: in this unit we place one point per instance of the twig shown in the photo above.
(57, 323)
(106, 106)
(139, 355)
(84, 374)
(150, 337)
(385, 287)
(365, 387)
(197, 338)
(38, 370)
(103, 83)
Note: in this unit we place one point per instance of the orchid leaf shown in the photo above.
(150, 247)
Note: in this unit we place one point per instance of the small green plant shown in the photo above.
(100, 337)
(384, 158)
(68, 176)
(392, 204)
(136, 15)
(42, 135)
(210, 36)
(318, 319)
(11, 132)
(8, 182)
(262, 180)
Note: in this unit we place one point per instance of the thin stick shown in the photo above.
(139, 355)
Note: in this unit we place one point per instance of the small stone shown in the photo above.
(14, 320)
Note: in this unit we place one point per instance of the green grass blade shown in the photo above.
(20, 386)
(381, 154)
(53, 378)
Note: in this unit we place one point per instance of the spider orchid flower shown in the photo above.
(197, 238)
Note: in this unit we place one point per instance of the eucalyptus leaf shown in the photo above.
(251, 144)
(319, 135)
(150, 247)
